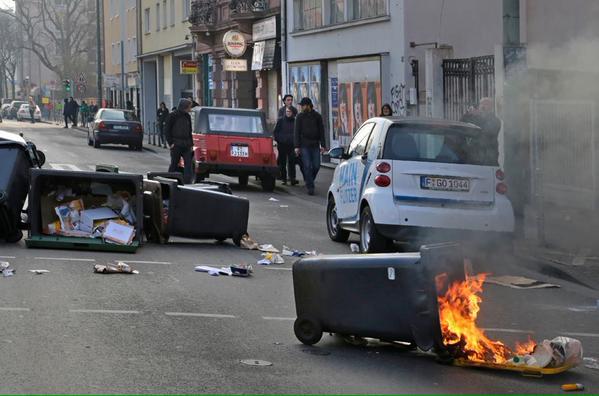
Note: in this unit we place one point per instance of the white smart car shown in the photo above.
(402, 178)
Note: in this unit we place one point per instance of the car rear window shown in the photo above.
(235, 123)
(427, 143)
(117, 115)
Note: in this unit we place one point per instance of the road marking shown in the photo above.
(277, 318)
(279, 269)
(145, 262)
(509, 331)
(200, 315)
(103, 311)
(11, 309)
(7, 257)
(64, 259)
(582, 334)
(67, 167)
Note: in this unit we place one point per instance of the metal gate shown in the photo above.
(465, 82)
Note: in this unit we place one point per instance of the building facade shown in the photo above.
(121, 79)
(250, 78)
(166, 42)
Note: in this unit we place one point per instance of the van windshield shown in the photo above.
(235, 123)
(444, 144)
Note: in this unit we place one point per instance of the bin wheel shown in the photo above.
(243, 180)
(16, 237)
(307, 330)
(268, 182)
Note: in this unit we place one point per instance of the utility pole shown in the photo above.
(99, 52)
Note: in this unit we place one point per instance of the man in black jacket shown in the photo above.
(287, 104)
(284, 138)
(179, 139)
(309, 141)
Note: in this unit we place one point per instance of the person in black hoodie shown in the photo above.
(309, 141)
(284, 138)
(179, 139)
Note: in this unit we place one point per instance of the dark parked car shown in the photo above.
(113, 126)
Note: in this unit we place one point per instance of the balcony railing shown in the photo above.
(240, 7)
(203, 13)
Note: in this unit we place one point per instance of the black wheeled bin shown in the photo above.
(201, 211)
(93, 188)
(392, 297)
(17, 157)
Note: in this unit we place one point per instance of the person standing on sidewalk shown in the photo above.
(309, 141)
(66, 112)
(161, 117)
(32, 107)
(179, 139)
(84, 114)
(284, 136)
(287, 104)
(74, 110)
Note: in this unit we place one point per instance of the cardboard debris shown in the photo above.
(240, 270)
(119, 268)
(518, 282)
(248, 243)
(119, 233)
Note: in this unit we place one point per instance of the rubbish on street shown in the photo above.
(240, 270)
(296, 253)
(271, 258)
(572, 387)
(119, 268)
(264, 262)
(273, 200)
(39, 271)
(5, 269)
(284, 206)
(248, 243)
(518, 282)
(268, 248)
(591, 363)
(93, 218)
(254, 362)
(355, 248)
(119, 233)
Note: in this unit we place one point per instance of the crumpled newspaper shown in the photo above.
(119, 268)
(5, 269)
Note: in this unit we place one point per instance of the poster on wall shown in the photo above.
(304, 82)
(294, 82)
(314, 93)
(344, 122)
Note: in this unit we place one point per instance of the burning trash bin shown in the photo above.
(17, 157)
(427, 299)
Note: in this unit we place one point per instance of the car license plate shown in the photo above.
(444, 183)
(121, 127)
(240, 151)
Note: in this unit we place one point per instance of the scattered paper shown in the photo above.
(284, 206)
(518, 282)
(240, 270)
(119, 233)
(39, 271)
(268, 248)
(6, 270)
(273, 199)
(264, 262)
(119, 268)
(355, 248)
(248, 243)
(591, 363)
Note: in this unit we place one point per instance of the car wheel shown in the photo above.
(336, 233)
(268, 182)
(370, 240)
(89, 140)
(243, 180)
(96, 143)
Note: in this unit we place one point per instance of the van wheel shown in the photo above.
(268, 182)
(336, 233)
(370, 240)
(243, 180)
(307, 330)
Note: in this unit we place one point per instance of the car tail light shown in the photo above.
(102, 125)
(383, 167)
(138, 128)
(382, 181)
(500, 175)
(501, 188)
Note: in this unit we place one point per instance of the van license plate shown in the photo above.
(444, 183)
(240, 151)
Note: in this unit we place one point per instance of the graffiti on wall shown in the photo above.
(398, 103)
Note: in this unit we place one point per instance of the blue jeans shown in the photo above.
(311, 162)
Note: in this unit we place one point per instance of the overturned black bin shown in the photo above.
(392, 297)
(17, 157)
(93, 188)
(196, 211)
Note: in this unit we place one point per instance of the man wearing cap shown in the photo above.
(309, 141)
(178, 137)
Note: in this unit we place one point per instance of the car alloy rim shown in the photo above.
(365, 237)
(333, 220)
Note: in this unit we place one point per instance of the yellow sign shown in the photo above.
(45, 100)
(190, 67)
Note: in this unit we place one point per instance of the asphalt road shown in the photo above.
(172, 330)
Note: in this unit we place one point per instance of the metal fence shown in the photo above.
(465, 82)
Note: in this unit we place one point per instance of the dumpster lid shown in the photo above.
(12, 138)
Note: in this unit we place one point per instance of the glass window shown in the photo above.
(157, 17)
(451, 145)
(360, 140)
(172, 12)
(164, 14)
(232, 123)
(116, 115)
(186, 9)
(309, 14)
(337, 11)
(147, 20)
(368, 8)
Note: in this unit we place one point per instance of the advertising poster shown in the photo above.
(344, 122)
(304, 83)
(374, 98)
(294, 83)
(334, 88)
(314, 93)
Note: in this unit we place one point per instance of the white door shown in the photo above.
(352, 173)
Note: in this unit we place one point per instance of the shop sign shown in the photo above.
(235, 65)
(45, 100)
(265, 29)
(258, 55)
(234, 43)
(189, 67)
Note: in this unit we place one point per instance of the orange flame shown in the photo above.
(458, 311)
(525, 348)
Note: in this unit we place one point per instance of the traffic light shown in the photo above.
(67, 85)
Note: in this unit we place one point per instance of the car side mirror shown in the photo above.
(337, 152)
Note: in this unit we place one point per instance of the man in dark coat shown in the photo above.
(284, 137)
(66, 112)
(179, 139)
(484, 118)
(309, 141)
(287, 104)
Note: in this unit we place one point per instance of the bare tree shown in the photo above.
(9, 52)
(58, 32)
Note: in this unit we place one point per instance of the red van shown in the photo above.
(234, 142)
